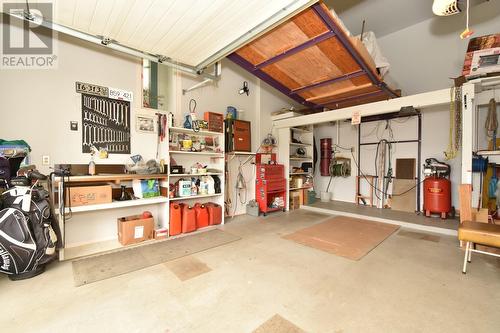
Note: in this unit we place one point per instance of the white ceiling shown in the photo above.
(382, 16)
(188, 31)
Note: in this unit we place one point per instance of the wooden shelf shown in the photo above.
(196, 174)
(301, 158)
(300, 130)
(240, 153)
(299, 173)
(118, 204)
(300, 144)
(110, 177)
(196, 197)
(207, 153)
(488, 152)
(300, 188)
(191, 132)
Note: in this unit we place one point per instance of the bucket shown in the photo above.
(325, 196)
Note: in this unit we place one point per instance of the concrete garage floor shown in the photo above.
(403, 285)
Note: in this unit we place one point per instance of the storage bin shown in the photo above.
(201, 215)
(214, 213)
(188, 219)
(175, 219)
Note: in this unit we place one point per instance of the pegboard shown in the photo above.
(105, 124)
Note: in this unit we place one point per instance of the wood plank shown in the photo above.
(405, 202)
(465, 197)
(405, 168)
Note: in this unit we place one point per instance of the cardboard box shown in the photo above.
(160, 233)
(483, 56)
(135, 229)
(294, 200)
(88, 195)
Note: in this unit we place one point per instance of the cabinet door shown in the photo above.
(242, 135)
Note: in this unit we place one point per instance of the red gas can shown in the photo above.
(437, 196)
(214, 213)
(188, 219)
(201, 215)
(175, 219)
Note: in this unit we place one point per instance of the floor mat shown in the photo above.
(112, 264)
(187, 268)
(278, 324)
(344, 236)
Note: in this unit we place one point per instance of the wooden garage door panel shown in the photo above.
(299, 30)
(306, 67)
(345, 93)
(357, 101)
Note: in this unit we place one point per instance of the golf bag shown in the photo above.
(27, 238)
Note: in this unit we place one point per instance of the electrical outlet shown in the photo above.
(45, 160)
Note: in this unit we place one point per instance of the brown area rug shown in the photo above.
(347, 237)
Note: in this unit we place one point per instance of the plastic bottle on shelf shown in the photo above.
(203, 189)
(210, 184)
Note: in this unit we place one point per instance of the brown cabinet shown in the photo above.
(238, 135)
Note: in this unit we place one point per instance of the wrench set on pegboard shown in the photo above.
(105, 124)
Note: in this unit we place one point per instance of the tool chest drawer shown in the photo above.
(271, 171)
(272, 185)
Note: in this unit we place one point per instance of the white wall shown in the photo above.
(426, 55)
(434, 142)
(38, 105)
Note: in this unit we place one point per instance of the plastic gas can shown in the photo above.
(201, 215)
(214, 213)
(188, 219)
(175, 219)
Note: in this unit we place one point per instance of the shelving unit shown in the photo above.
(213, 160)
(79, 214)
(305, 138)
(84, 217)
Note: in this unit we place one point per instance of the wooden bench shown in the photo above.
(473, 233)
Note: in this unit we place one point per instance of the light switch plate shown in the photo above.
(45, 160)
(73, 125)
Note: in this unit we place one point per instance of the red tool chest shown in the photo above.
(270, 187)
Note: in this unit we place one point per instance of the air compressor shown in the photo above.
(437, 188)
